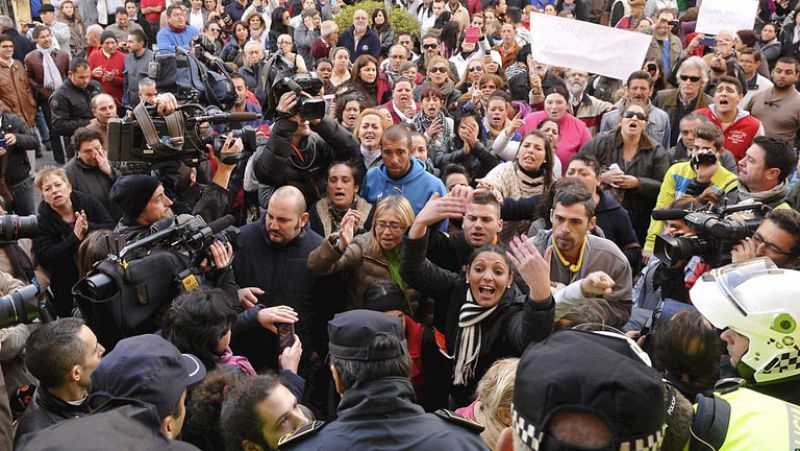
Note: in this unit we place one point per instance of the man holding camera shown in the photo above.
(300, 149)
(778, 238)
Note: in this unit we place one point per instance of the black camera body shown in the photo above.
(717, 231)
(129, 149)
(307, 108)
(127, 293)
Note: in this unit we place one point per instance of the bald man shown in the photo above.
(271, 262)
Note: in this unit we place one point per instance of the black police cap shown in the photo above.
(351, 334)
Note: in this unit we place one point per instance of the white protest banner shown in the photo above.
(731, 15)
(586, 46)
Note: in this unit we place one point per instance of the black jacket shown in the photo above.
(279, 270)
(94, 182)
(71, 107)
(44, 411)
(55, 246)
(18, 165)
(277, 163)
(479, 161)
(382, 415)
(133, 426)
(515, 323)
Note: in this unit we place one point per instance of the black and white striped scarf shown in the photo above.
(469, 339)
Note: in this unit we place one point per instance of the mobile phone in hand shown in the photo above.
(285, 335)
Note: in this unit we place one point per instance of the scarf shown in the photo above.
(468, 347)
(336, 216)
(777, 191)
(176, 29)
(400, 114)
(422, 122)
(52, 77)
(393, 259)
(238, 361)
(369, 156)
(447, 88)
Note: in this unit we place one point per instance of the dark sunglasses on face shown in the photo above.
(433, 70)
(631, 114)
(476, 69)
(719, 70)
(692, 78)
(429, 46)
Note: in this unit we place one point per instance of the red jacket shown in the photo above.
(114, 64)
(740, 133)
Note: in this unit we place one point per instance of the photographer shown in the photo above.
(15, 139)
(778, 238)
(299, 152)
(144, 202)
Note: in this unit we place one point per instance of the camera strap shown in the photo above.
(174, 122)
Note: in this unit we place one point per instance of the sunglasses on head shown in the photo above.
(433, 70)
(429, 46)
(692, 78)
(637, 114)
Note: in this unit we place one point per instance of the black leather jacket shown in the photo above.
(46, 410)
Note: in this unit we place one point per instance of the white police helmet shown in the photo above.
(762, 302)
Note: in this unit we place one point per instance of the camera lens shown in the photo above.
(13, 227)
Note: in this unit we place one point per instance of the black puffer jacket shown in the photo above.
(278, 164)
(515, 323)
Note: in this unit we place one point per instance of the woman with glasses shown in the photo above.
(288, 58)
(474, 70)
(208, 45)
(364, 80)
(635, 165)
(233, 52)
(366, 257)
(438, 75)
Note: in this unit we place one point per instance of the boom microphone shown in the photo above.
(221, 118)
(669, 214)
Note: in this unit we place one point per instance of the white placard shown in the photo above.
(586, 46)
(731, 15)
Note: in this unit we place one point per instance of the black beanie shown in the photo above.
(107, 34)
(384, 295)
(132, 193)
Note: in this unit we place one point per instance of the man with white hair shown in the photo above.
(322, 47)
(588, 109)
(253, 62)
(687, 97)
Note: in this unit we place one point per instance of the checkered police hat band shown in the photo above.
(529, 436)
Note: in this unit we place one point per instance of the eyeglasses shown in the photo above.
(392, 226)
(638, 115)
(435, 69)
(429, 46)
(476, 69)
(771, 246)
(692, 78)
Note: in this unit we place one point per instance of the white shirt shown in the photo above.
(196, 19)
(763, 83)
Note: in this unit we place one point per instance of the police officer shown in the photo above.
(370, 366)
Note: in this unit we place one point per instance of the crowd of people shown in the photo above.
(469, 249)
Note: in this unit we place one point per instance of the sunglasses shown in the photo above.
(433, 70)
(692, 78)
(634, 114)
(429, 46)
(719, 70)
(476, 69)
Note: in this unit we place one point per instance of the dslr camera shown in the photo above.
(717, 231)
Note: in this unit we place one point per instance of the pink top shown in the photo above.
(573, 134)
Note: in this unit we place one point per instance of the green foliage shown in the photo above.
(400, 19)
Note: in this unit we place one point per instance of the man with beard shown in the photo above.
(687, 97)
(583, 265)
(241, 105)
(778, 108)
(738, 126)
(638, 89)
(481, 226)
(429, 46)
(587, 108)
(272, 258)
(665, 46)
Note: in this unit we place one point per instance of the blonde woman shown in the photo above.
(369, 256)
(492, 407)
(368, 131)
